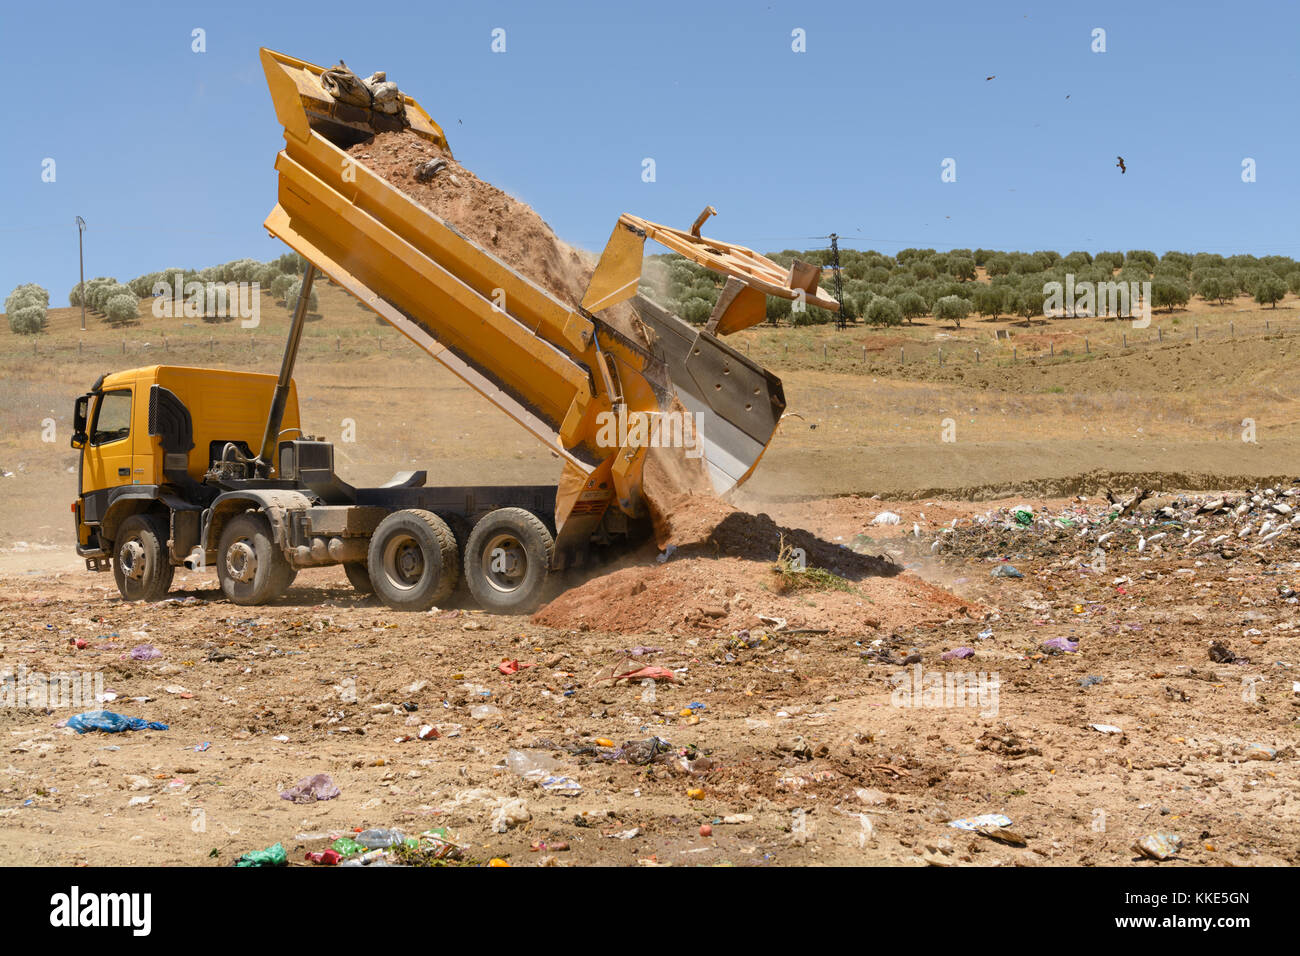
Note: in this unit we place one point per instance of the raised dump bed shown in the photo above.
(555, 367)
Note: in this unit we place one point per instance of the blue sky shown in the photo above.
(168, 153)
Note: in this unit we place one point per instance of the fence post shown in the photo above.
(977, 356)
(1014, 352)
(1160, 334)
(823, 351)
(864, 353)
(900, 355)
(338, 343)
(1052, 346)
(1232, 329)
(124, 346)
(940, 356)
(1125, 334)
(1086, 349)
(1197, 329)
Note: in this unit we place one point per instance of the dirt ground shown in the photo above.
(802, 724)
(805, 740)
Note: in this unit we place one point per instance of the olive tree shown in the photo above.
(952, 307)
(884, 311)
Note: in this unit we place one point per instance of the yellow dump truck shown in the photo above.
(209, 467)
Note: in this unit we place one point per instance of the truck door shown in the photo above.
(106, 461)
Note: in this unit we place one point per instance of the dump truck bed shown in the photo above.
(554, 367)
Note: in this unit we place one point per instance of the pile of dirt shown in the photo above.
(699, 595)
(719, 576)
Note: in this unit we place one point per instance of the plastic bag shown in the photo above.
(110, 723)
(309, 789)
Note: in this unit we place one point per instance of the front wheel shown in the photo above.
(141, 565)
(507, 559)
(412, 560)
(250, 567)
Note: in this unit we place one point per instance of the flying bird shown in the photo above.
(1120, 164)
(987, 78)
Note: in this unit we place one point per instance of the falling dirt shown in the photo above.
(484, 214)
(491, 218)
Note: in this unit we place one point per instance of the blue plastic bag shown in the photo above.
(110, 723)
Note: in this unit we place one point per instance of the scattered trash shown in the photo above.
(1005, 571)
(985, 820)
(510, 814)
(644, 673)
(1158, 846)
(380, 838)
(1060, 645)
(886, 517)
(958, 654)
(311, 789)
(1260, 752)
(144, 652)
(325, 858)
(108, 722)
(1090, 681)
(1220, 653)
(1106, 728)
(273, 855)
(346, 846)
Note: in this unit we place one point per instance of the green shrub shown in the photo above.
(280, 286)
(952, 307)
(989, 301)
(27, 319)
(884, 311)
(121, 309)
(294, 290)
(1144, 256)
(695, 310)
(962, 267)
(1167, 293)
(1269, 290)
(912, 305)
(26, 295)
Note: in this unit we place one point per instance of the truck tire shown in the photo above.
(507, 559)
(141, 565)
(412, 560)
(358, 576)
(250, 566)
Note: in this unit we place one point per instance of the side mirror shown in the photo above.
(80, 416)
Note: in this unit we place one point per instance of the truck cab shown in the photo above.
(150, 440)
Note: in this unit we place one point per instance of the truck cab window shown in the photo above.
(112, 418)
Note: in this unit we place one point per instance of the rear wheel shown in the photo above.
(141, 565)
(358, 576)
(412, 560)
(250, 567)
(507, 559)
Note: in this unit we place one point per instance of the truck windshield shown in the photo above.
(112, 418)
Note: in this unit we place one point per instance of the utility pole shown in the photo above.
(842, 321)
(81, 293)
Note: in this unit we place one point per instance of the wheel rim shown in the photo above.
(241, 561)
(403, 562)
(131, 558)
(505, 563)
